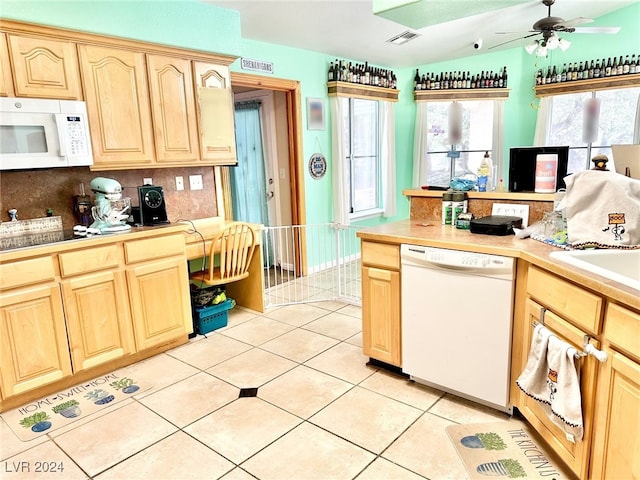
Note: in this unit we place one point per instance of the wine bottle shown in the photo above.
(620, 66)
(614, 66)
(596, 70)
(554, 75)
(633, 66)
(626, 66)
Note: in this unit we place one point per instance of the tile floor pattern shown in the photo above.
(320, 412)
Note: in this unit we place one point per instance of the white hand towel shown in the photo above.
(603, 209)
(550, 377)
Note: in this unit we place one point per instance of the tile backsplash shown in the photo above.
(33, 192)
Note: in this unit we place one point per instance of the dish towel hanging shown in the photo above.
(551, 378)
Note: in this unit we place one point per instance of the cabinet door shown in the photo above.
(98, 318)
(6, 84)
(215, 114)
(381, 334)
(575, 455)
(173, 109)
(160, 301)
(117, 98)
(44, 68)
(33, 339)
(617, 425)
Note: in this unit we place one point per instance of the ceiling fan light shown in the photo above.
(530, 48)
(564, 44)
(541, 51)
(553, 42)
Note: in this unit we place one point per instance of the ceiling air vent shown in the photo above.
(403, 38)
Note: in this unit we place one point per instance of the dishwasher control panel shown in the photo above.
(443, 258)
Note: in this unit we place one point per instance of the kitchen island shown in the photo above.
(576, 305)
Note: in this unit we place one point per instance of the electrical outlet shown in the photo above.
(512, 210)
(179, 183)
(147, 181)
(195, 182)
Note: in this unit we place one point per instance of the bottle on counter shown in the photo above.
(484, 173)
(459, 204)
(447, 205)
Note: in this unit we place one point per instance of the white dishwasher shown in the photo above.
(456, 322)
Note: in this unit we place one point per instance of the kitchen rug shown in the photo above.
(503, 450)
(42, 416)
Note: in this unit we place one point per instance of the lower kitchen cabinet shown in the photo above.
(33, 339)
(381, 327)
(98, 318)
(575, 454)
(617, 418)
(158, 290)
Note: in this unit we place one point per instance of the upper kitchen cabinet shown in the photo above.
(6, 85)
(215, 114)
(173, 109)
(117, 99)
(44, 68)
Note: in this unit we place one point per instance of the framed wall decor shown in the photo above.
(315, 113)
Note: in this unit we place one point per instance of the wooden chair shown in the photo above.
(235, 245)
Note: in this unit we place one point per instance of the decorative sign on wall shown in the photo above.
(315, 113)
(256, 65)
(317, 165)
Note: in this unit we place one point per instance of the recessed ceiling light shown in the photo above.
(403, 38)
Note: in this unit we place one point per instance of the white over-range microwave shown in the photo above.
(43, 133)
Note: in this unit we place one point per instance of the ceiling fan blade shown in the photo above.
(597, 30)
(520, 32)
(513, 40)
(574, 21)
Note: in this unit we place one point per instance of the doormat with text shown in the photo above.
(42, 416)
(504, 450)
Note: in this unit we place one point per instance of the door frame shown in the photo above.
(291, 88)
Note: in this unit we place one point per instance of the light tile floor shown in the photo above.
(320, 412)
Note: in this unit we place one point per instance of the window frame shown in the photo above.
(350, 158)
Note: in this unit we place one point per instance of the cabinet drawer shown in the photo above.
(152, 248)
(84, 261)
(622, 328)
(27, 272)
(381, 255)
(580, 307)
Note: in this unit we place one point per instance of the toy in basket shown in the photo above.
(213, 317)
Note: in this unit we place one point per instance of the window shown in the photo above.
(362, 154)
(616, 124)
(477, 138)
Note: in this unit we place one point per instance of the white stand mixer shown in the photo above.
(109, 210)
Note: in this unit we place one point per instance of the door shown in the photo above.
(173, 109)
(98, 318)
(33, 339)
(115, 83)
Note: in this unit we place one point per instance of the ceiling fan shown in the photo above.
(549, 26)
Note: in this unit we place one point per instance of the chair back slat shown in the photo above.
(237, 244)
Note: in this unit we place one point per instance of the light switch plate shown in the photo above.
(179, 183)
(512, 210)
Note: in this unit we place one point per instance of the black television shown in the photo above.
(522, 167)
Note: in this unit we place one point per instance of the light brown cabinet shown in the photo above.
(6, 84)
(617, 416)
(214, 100)
(96, 306)
(33, 339)
(173, 109)
(381, 321)
(158, 281)
(115, 83)
(44, 68)
(575, 454)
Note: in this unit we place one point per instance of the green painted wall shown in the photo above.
(183, 23)
(196, 25)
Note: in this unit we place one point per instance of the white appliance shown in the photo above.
(456, 322)
(41, 133)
